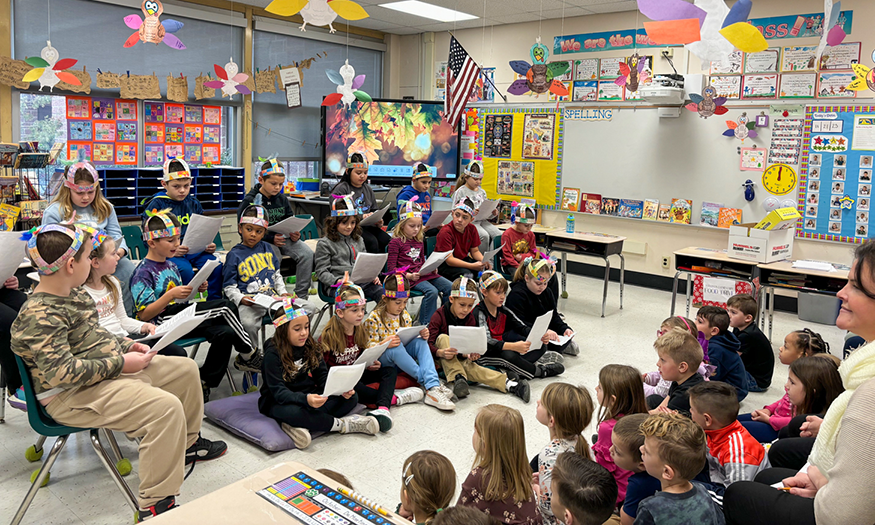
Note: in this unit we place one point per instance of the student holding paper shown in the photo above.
(461, 368)
(417, 192)
(157, 286)
(468, 187)
(355, 182)
(294, 378)
(269, 194)
(407, 251)
(518, 243)
(460, 237)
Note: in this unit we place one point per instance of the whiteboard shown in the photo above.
(637, 155)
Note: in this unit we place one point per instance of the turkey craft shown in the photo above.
(318, 12)
(741, 129)
(230, 81)
(151, 29)
(707, 104)
(347, 86)
(539, 75)
(49, 70)
(865, 78)
(633, 73)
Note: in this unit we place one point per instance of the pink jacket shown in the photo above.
(602, 451)
(782, 412)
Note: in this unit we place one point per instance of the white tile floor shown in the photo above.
(81, 492)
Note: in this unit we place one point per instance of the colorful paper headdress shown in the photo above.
(260, 218)
(173, 175)
(290, 313)
(520, 216)
(475, 174)
(339, 302)
(363, 165)
(464, 207)
(411, 210)
(488, 278)
(401, 291)
(169, 230)
(97, 236)
(467, 288)
(534, 267)
(351, 209)
(71, 175)
(275, 167)
(49, 267)
(420, 173)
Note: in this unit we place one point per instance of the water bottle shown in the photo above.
(569, 224)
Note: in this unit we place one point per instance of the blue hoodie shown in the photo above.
(424, 201)
(182, 209)
(723, 352)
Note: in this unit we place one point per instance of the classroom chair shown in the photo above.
(195, 344)
(134, 239)
(391, 225)
(496, 261)
(45, 426)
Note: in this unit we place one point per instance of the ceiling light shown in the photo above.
(434, 12)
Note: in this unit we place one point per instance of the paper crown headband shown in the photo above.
(401, 291)
(351, 209)
(363, 165)
(488, 278)
(411, 210)
(418, 173)
(98, 236)
(173, 175)
(476, 174)
(464, 207)
(169, 230)
(49, 267)
(275, 167)
(342, 304)
(260, 218)
(534, 267)
(71, 175)
(464, 289)
(290, 313)
(520, 216)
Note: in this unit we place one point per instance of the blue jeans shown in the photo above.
(186, 265)
(430, 300)
(762, 432)
(415, 359)
(752, 384)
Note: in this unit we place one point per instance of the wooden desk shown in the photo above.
(685, 259)
(592, 245)
(826, 283)
(240, 503)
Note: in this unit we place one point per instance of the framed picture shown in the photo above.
(834, 85)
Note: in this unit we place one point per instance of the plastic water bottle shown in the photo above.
(569, 224)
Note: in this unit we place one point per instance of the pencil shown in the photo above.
(786, 489)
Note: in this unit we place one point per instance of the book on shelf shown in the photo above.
(33, 209)
(8, 217)
(592, 203)
(728, 217)
(631, 208)
(651, 210)
(610, 206)
(710, 213)
(8, 154)
(681, 211)
(664, 214)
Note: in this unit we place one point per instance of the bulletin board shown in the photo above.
(534, 157)
(187, 131)
(838, 158)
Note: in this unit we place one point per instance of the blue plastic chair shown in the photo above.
(134, 239)
(45, 426)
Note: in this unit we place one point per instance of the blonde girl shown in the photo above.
(468, 186)
(500, 482)
(407, 253)
(428, 482)
(566, 410)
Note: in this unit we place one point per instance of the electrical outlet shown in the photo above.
(666, 262)
(667, 52)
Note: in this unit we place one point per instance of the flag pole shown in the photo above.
(491, 83)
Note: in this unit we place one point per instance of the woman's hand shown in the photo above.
(315, 400)
(811, 426)
(148, 328)
(817, 477)
(801, 484)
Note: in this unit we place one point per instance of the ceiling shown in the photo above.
(498, 12)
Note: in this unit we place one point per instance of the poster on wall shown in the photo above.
(538, 136)
(608, 90)
(610, 67)
(585, 91)
(497, 136)
(727, 86)
(798, 58)
(732, 67)
(842, 56)
(759, 86)
(102, 109)
(834, 85)
(516, 178)
(586, 69)
(766, 61)
(568, 76)
(440, 79)
(798, 85)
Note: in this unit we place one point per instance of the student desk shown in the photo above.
(239, 502)
(827, 283)
(592, 245)
(539, 231)
(686, 259)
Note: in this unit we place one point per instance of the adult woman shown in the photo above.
(842, 462)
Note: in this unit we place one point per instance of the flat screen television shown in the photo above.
(395, 134)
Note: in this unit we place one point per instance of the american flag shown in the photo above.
(462, 74)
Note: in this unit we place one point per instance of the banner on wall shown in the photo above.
(772, 28)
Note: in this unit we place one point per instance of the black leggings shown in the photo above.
(755, 502)
(376, 240)
(522, 364)
(11, 302)
(790, 453)
(382, 395)
(313, 419)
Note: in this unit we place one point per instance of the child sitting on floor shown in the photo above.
(583, 492)
(679, 357)
(468, 187)
(654, 383)
(723, 348)
(460, 237)
(756, 349)
(428, 482)
(519, 243)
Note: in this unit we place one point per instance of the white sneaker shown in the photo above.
(406, 396)
(437, 398)
(300, 436)
(357, 424)
(384, 419)
(447, 390)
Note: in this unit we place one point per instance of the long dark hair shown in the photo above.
(285, 349)
(821, 381)
(355, 157)
(865, 256)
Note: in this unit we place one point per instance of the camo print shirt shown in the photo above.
(63, 345)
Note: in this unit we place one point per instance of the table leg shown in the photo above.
(771, 310)
(564, 275)
(622, 277)
(605, 290)
(674, 291)
(761, 309)
(689, 292)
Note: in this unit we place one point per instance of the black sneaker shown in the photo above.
(161, 507)
(521, 390)
(460, 387)
(204, 450)
(550, 369)
(253, 364)
(511, 374)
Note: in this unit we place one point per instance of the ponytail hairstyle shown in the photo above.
(429, 480)
(621, 392)
(285, 349)
(474, 169)
(821, 381)
(684, 323)
(396, 287)
(571, 408)
(811, 343)
(79, 176)
(502, 454)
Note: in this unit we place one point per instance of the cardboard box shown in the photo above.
(780, 219)
(752, 244)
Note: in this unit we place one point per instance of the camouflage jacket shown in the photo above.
(63, 344)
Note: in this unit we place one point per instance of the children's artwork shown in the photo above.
(631, 209)
(212, 134)
(835, 85)
(539, 76)
(102, 109)
(664, 213)
(710, 214)
(568, 76)
(126, 132)
(832, 143)
(609, 90)
(79, 150)
(767, 61)
(538, 136)
(610, 206)
(154, 111)
(635, 71)
(728, 87)
(154, 133)
(126, 154)
(80, 130)
(103, 153)
(126, 110)
(154, 154)
(194, 114)
(799, 58)
(609, 68)
(174, 113)
(48, 69)
(173, 133)
(798, 85)
(728, 217)
(318, 12)
(212, 154)
(730, 67)
(753, 159)
(843, 56)
(173, 151)
(78, 107)
(497, 133)
(586, 69)
(570, 199)
(516, 178)
(193, 154)
(681, 211)
(585, 91)
(561, 98)
(759, 86)
(104, 132)
(212, 115)
(151, 29)
(230, 80)
(194, 134)
(708, 103)
(591, 203)
(741, 128)
(651, 210)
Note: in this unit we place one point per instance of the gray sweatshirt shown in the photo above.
(332, 258)
(369, 200)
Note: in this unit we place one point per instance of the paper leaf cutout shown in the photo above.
(334, 76)
(362, 96)
(670, 10)
(240, 77)
(519, 87)
(286, 7)
(133, 21)
(348, 10)
(33, 75)
(863, 75)
(685, 31)
(36, 62)
(243, 90)
(220, 72)
(520, 67)
(64, 63)
(68, 78)
(740, 12)
(745, 37)
(132, 40)
(836, 36)
(172, 26)
(696, 98)
(215, 84)
(358, 82)
(712, 47)
(558, 88)
(332, 99)
(173, 42)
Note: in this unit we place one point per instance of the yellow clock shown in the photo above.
(779, 179)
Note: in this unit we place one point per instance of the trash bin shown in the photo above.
(818, 308)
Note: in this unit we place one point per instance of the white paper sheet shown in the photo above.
(165, 327)
(12, 245)
(437, 219)
(562, 339)
(486, 210)
(408, 333)
(468, 339)
(375, 217)
(178, 332)
(202, 275)
(289, 75)
(342, 379)
(490, 255)
(433, 262)
(368, 266)
(290, 225)
(263, 300)
(201, 232)
(370, 355)
(539, 328)
(814, 265)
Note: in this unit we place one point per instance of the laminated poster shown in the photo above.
(586, 69)
(798, 85)
(610, 67)
(763, 62)
(800, 58)
(727, 86)
(759, 86)
(842, 56)
(516, 178)
(538, 136)
(753, 159)
(497, 133)
(733, 67)
(608, 90)
(585, 91)
(834, 85)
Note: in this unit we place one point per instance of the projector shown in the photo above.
(663, 95)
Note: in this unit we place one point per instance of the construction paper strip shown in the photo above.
(670, 10)
(745, 37)
(740, 12)
(684, 31)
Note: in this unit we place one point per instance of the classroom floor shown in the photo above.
(81, 491)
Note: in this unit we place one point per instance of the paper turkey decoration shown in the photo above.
(865, 78)
(49, 70)
(150, 29)
(633, 73)
(741, 129)
(318, 12)
(707, 103)
(347, 86)
(539, 75)
(230, 80)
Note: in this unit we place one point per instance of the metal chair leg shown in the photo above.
(40, 441)
(43, 473)
(3, 392)
(107, 464)
(231, 379)
(113, 444)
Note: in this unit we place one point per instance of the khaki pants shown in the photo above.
(162, 404)
(468, 369)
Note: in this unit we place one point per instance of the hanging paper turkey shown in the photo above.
(347, 86)
(539, 75)
(49, 70)
(318, 12)
(707, 103)
(151, 29)
(633, 73)
(865, 78)
(230, 81)
(741, 129)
